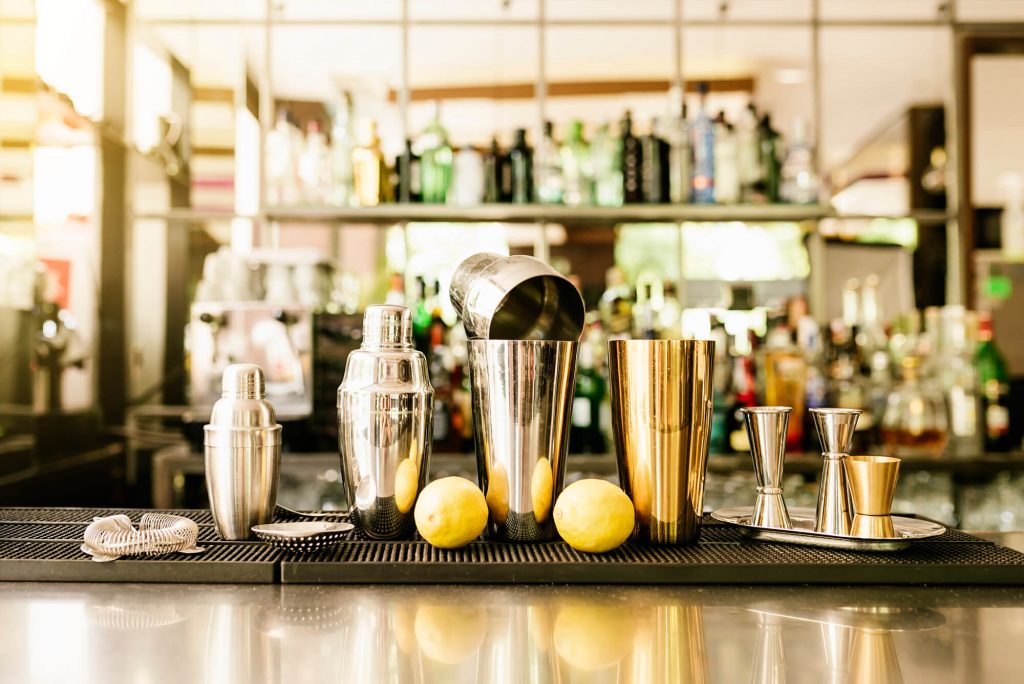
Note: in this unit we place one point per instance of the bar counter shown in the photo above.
(113, 633)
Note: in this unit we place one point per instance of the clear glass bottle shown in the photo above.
(467, 178)
(315, 166)
(680, 160)
(799, 179)
(343, 142)
(370, 173)
(607, 163)
(727, 172)
(703, 153)
(915, 416)
(283, 147)
(548, 168)
(435, 160)
(577, 170)
(748, 153)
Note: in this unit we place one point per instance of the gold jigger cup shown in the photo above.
(835, 426)
(661, 395)
(766, 429)
(872, 485)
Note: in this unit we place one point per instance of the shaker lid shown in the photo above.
(243, 381)
(387, 326)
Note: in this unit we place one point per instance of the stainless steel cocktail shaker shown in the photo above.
(385, 404)
(243, 454)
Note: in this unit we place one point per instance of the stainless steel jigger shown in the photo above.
(834, 513)
(243, 454)
(766, 430)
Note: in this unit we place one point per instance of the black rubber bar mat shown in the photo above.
(43, 545)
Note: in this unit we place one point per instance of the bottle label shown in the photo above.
(581, 412)
(997, 420)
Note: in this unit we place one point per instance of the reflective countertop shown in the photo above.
(272, 633)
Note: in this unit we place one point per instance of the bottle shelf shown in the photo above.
(388, 214)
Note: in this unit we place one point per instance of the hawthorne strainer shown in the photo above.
(108, 539)
(302, 537)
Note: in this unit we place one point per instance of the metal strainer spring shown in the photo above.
(107, 539)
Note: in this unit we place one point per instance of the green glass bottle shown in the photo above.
(435, 161)
(994, 381)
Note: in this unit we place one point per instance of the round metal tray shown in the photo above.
(305, 536)
(908, 530)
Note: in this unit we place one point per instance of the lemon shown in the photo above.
(497, 493)
(591, 636)
(540, 488)
(594, 516)
(451, 512)
(450, 634)
(407, 480)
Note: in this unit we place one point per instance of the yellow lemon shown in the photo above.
(451, 512)
(594, 516)
(592, 636)
(497, 493)
(407, 481)
(540, 488)
(450, 634)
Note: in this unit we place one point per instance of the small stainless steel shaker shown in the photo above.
(243, 454)
(766, 429)
(834, 513)
(385, 403)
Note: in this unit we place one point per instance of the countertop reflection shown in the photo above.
(171, 633)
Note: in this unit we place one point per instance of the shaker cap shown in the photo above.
(387, 326)
(243, 381)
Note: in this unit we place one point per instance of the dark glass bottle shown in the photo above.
(521, 161)
(654, 171)
(408, 187)
(768, 143)
(585, 433)
(994, 381)
(494, 171)
(632, 163)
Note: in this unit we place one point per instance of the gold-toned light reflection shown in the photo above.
(668, 646)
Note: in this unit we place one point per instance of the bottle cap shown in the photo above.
(387, 326)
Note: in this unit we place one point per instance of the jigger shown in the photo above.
(835, 426)
(766, 429)
(872, 485)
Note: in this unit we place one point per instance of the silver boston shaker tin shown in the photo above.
(384, 424)
(242, 445)
(515, 298)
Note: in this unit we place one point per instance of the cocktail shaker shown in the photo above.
(522, 405)
(516, 298)
(243, 454)
(661, 396)
(834, 513)
(385, 403)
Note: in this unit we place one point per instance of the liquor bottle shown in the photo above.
(606, 159)
(396, 290)
(421, 317)
(409, 175)
(494, 170)
(343, 142)
(743, 396)
(654, 168)
(767, 140)
(435, 160)
(616, 305)
(748, 153)
(680, 160)
(283, 146)
(914, 422)
(467, 178)
(521, 165)
(585, 434)
(785, 373)
(577, 171)
(994, 380)
(799, 180)
(548, 169)
(726, 159)
(632, 163)
(314, 166)
(703, 153)
(372, 182)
